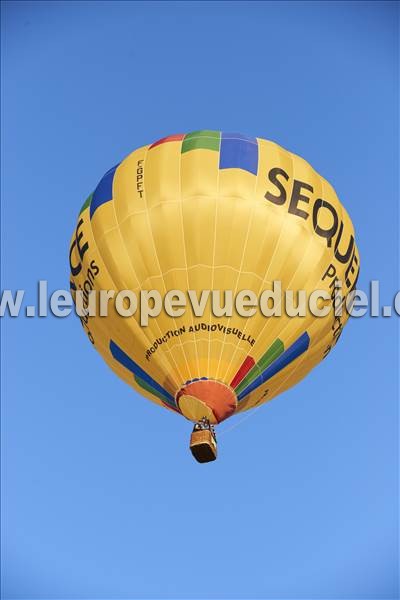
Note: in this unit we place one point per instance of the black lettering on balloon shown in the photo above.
(343, 258)
(325, 233)
(297, 197)
(273, 177)
(94, 268)
(81, 248)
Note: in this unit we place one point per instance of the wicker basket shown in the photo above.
(203, 445)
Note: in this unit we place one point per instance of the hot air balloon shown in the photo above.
(210, 210)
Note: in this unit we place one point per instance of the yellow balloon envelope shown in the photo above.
(213, 211)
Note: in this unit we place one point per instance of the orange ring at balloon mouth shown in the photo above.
(206, 398)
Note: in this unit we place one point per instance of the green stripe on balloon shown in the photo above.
(275, 350)
(87, 203)
(205, 140)
(146, 386)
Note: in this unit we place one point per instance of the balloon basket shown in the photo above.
(203, 444)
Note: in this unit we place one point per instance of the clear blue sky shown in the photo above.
(101, 498)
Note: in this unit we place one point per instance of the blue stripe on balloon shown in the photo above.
(238, 151)
(103, 192)
(134, 368)
(293, 352)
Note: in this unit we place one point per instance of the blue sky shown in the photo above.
(101, 498)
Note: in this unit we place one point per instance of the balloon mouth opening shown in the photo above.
(206, 398)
